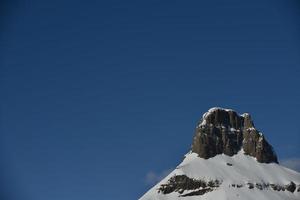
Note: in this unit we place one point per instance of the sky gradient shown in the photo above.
(96, 97)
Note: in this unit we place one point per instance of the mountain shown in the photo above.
(229, 159)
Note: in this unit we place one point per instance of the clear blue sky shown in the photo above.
(96, 94)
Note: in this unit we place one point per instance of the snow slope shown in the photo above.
(239, 169)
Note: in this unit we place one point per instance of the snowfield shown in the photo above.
(239, 169)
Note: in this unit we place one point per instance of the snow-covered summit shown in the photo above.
(229, 159)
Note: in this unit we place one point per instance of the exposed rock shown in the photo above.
(225, 131)
(181, 183)
(186, 186)
(291, 187)
(277, 187)
(256, 145)
(250, 185)
(259, 186)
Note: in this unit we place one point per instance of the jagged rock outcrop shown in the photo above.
(182, 183)
(291, 187)
(225, 131)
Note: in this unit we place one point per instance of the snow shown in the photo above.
(219, 108)
(244, 169)
(245, 115)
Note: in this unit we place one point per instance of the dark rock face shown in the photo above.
(225, 131)
(256, 145)
(186, 186)
(291, 187)
(181, 183)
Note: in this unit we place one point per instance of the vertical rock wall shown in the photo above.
(225, 131)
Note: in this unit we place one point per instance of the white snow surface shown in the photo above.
(244, 169)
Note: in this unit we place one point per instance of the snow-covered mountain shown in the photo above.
(229, 160)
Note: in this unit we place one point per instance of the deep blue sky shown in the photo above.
(97, 94)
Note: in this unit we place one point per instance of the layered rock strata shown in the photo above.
(225, 131)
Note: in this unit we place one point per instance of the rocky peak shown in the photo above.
(225, 131)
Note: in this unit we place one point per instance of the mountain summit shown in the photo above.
(229, 159)
(225, 131)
